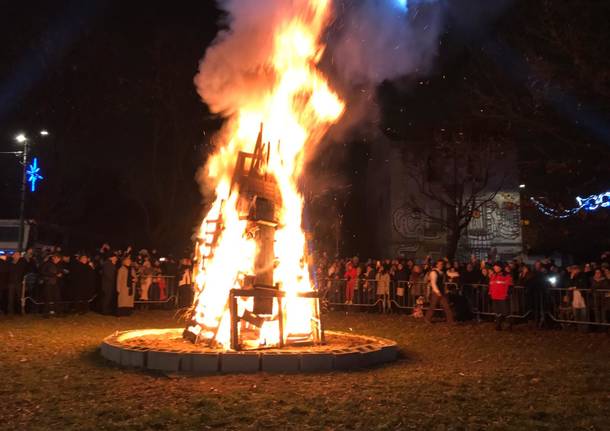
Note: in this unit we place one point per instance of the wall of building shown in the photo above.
(496, 229)
(405, 231)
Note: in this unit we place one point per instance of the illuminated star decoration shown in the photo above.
(33, 173)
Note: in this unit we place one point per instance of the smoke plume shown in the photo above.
(369, 42)
(234, 68)
(377, 40)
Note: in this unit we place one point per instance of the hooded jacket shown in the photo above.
(499, 283)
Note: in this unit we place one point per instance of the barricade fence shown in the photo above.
(33, 298)
(560, 305)
(540, 305)
(592, 307)
(153, 289)
(156, 289)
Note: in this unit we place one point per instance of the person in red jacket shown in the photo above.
(351, 277)
(499, 289)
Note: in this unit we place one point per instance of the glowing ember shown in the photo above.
(296, 112)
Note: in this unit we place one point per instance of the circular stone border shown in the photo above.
(369, 352)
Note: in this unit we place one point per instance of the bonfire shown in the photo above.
(252, 284)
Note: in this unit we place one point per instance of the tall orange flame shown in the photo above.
(296, 112)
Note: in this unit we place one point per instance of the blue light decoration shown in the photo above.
(594, 202)
(33, 173)
(590, 203)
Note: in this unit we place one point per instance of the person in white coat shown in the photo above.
(125, 282)
(383, 288)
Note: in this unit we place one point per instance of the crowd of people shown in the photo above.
(108, 281)
(114, 281)
(578, 292)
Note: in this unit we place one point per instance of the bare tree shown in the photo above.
(454, 179)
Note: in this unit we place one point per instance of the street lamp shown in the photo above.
(22, 139)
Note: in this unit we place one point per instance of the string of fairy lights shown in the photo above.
(590, 203)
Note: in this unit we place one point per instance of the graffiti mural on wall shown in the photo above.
(498, 223)
(415, 229)
(414, 224)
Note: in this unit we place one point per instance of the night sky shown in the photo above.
(113, 83)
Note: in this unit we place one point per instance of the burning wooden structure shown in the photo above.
(258, 301)
(253, 289)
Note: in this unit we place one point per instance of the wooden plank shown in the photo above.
(280, 318)
(234, 321)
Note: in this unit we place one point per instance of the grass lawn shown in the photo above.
(465, 377)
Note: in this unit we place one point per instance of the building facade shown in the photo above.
(408, 223)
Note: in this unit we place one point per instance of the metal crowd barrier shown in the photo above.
(334, 293)
(596, 308)
(156, 289)
(26, 295)
(33, 301)
(537, 304)
(160, 289)
(540, 304)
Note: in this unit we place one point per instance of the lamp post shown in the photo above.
(22, 139)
